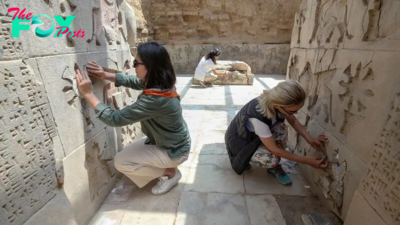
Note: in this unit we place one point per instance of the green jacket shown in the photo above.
(160, 118)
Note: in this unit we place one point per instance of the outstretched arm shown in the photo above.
(315, 143)
(280, 152)
(218, 73)
(95, 70)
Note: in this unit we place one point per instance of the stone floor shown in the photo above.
(210, 192)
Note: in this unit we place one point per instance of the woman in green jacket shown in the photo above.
(159, 112)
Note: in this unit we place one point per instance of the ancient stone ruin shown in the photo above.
(346, 55)
(56, 157)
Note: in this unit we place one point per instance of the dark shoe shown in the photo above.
(280, 175)
(202, 84)
(209, 84)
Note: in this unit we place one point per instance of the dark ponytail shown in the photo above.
(211, 55)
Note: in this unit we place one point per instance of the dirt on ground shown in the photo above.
(292, 207)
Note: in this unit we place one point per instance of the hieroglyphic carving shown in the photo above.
(381, 187)
(27, 170)
(350, 90)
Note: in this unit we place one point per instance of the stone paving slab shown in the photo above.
(212, 208)
(210, 192)
(258, 181)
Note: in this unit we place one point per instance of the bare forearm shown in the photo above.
(92, 99)
(218, 73)
(110, 76)
(288, 155)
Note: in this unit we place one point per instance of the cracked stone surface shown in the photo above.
(210, 192)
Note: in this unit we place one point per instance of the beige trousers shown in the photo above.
(210, 77)
(143, 163)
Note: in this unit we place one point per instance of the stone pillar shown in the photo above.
(346, 55)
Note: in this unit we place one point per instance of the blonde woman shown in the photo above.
(258, 135)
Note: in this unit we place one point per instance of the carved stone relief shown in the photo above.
(27, 170)
(381, 187)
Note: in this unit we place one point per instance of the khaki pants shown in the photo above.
(210, 77)
(143, 163)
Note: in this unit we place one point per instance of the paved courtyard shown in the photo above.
(210, 192)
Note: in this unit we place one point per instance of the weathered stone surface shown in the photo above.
(58, 76)
(88, 179)
(257, 213)
(361, 212)
(43, 118)
(344, 54)
(228, 21)
(381, 185)
(212, 208)
(27, 164)
(91, 17)
(258, 181)
(60, 209)
(203, 177)
(262, 58)
(237, 72)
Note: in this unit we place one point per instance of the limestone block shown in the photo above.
(59, 209)
(342, 97)
(238, 72)
(11, 48)
(129, 19)
(380, 186)
(339, 154)
(361, 212)
(293, 136)
(33, 45)
(87, 177)
(373, 25)
(27, 167)
(90, 18)
(58, 75)
(311, 29)
(237, 18)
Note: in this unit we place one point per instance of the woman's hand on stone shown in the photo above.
(95, 70)
(83, 81)
(319, 163)
(318, 143)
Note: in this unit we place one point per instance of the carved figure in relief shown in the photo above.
(157, 108)
(258, 134)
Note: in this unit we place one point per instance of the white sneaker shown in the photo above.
(164, 184)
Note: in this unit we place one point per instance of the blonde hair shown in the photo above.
(286, 93)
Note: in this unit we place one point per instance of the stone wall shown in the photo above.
(257, 32)
(55, 155)
(262, 58)
(346, 54)
(212, 22)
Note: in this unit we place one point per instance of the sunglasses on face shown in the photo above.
(136, 63)
(288, 112)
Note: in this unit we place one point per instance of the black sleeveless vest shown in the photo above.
(240, 143)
